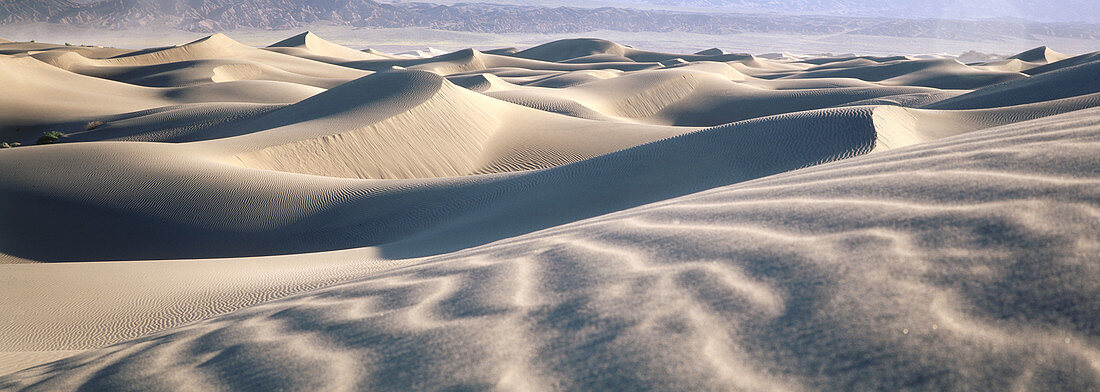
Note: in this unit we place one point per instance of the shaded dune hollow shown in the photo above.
(578, 215)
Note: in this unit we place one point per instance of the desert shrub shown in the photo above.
(92, 125)
(68, 44)
(49, 137)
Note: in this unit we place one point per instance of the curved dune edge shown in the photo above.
(579, 215)
(446, 131)
(309, 45)
(771, 303)
(439, 137)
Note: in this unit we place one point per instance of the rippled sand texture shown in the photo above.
(580, 215)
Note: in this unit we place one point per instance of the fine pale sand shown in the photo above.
(580, 215)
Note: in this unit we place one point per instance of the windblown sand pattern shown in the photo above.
(580, 215)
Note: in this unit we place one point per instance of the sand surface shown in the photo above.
(579, 215)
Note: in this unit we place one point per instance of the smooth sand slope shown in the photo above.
(576, 215)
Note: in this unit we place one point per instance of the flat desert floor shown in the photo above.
(578, 215)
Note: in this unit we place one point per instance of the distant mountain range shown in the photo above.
(1086, 11)
(223, 15)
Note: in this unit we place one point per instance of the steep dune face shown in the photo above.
(899, 126)
(571, 49)
(577, 215)
(1042, 55)
(1069, 62)
(651, 172)
(696, 96)
(274, 212)
(415, 124)
(1026, 61)
(1066, 82)
(440, 133)
(309, 45)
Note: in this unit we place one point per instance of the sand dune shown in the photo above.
(696, 96)
(219, 46)
(73, 97)
(1040, 54)
(95, 52)
(1023, 61)
(1069, 62)
(415, 124)
(572, 49)
(309, 45)
(937, 73)
(213, 59)
(723, 274)
(576, 215)
(1061, 83)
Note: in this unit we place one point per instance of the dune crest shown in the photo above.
(309, 45)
